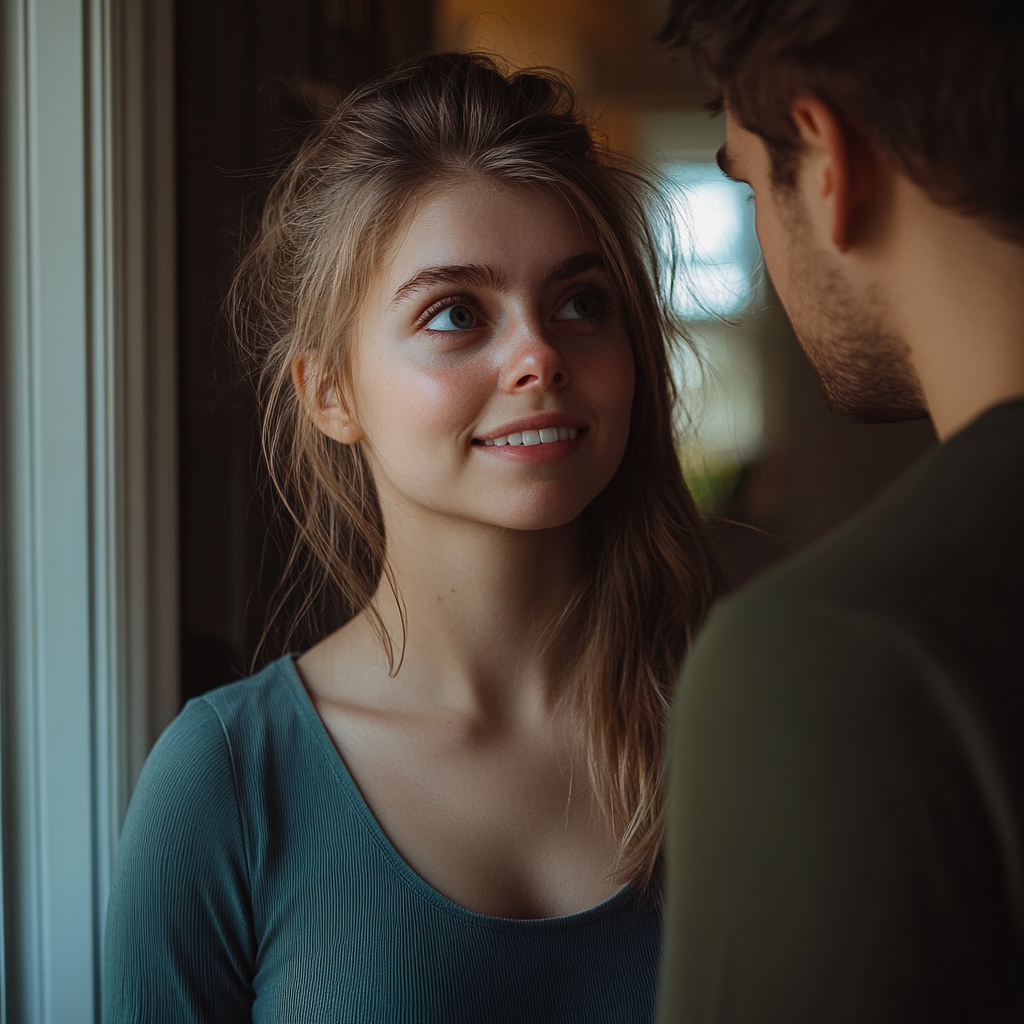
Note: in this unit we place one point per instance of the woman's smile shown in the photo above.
(548, 437)
(492, 373)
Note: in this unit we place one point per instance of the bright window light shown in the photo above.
(721, 380)
(714, 222)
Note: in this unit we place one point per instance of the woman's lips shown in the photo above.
(548, 444)
(533, 424)
(527, 438)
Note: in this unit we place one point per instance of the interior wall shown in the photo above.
(253, 77)
(88, 637)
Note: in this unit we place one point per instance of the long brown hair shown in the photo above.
(327, 224)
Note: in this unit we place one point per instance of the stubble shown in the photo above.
(864, 365)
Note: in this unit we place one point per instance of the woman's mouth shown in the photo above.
(527, 438)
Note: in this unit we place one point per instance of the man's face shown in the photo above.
(842, 325)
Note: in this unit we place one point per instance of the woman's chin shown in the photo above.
(526, 509)
(538, 515)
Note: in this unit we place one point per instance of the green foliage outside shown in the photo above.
(712, 485)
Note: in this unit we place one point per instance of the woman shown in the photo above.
(449, 809)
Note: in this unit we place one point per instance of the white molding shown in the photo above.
(87, 339)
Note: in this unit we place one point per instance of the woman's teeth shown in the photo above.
(543, 436)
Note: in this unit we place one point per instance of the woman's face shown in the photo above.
(492, 378)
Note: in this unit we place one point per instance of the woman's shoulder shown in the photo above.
(179, 918)
(263, 696)
(209, 779)
(250, 709)
(221, 735)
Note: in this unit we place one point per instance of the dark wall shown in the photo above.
(253, 77)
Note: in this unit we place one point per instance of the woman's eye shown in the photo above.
(580, 307)
(454, 318)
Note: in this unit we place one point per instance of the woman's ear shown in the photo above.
(327, 410)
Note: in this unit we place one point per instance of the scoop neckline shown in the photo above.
(398, 863)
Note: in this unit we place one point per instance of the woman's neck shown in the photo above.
(479, 602)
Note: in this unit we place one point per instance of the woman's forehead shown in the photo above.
(512, 231)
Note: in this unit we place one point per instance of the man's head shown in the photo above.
(831, 105)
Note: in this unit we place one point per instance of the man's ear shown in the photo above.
(839, 169)
(326, 409)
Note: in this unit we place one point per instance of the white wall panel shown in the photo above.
(86, 337)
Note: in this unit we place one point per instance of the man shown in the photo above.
(846, 827)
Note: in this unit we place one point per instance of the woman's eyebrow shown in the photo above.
(469, 274)
(574, 265)
(481, 276)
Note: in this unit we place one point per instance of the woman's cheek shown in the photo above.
(611, 381)
(448, 400)
(428, 411)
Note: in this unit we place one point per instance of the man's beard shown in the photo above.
(864, 366)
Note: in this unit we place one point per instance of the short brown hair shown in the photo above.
(938, 84)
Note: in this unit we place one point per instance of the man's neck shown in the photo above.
(958, 291)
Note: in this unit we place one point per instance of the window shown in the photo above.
(717, 291)
(716, 228)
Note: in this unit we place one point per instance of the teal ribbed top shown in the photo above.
(254, 884)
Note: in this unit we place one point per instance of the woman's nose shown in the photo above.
(533, 363)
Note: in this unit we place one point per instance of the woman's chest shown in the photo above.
(506, 827)
(345, 934)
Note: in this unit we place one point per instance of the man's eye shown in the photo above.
(454, 318)
(584, 306)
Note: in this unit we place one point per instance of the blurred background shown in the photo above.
(772, 469)
(137, 557)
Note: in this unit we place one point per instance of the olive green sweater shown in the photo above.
(847, 767)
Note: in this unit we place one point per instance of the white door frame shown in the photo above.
(88, 496)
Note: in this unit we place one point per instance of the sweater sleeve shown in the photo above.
(179, 938)
(834, 852)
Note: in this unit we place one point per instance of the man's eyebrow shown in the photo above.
(468, 274)
(572, 266)
(724, 160)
